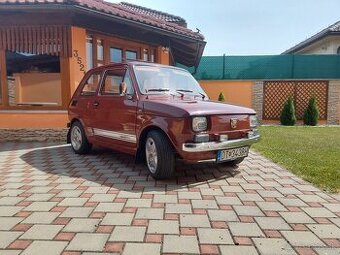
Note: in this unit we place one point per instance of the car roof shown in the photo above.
(131, 63)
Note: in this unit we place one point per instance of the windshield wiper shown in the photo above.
(184, 90)
(157, 90)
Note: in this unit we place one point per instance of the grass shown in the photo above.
(312, 153)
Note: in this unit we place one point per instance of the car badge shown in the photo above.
(233, 123)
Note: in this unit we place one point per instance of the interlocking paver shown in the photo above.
(88, 242)
(237, 250)
(77, 212)
(128, 234)
(103, 203)
(296, 217)
(7, 237)
(163, 227)
(245, 229)
(302, 238)
(81, 225)
(272, 223)
(150, 213)
(41, 217)
(180, 244)
(45, 247)
(118, 219)
(142, 249)
(42, 232)
(6, 223)
(270, 246)
(191, 220)
(214, 236)
(325, 230)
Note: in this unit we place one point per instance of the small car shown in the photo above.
(158, 114)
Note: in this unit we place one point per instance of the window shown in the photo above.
(89, 52)
(100, 50)
(91, 85)
(131, 55)
(145, 54)
(33, 80)
(117, 82)
(116, 55)
(152, 56)
(338, 51)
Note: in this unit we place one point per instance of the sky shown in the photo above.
(251, 27)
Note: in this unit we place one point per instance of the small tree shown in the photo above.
(221, 97)
(311, 114)
(288, 117)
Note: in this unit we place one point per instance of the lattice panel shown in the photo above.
(275, 95)
(305, 90)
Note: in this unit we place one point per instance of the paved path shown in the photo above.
(55, 202)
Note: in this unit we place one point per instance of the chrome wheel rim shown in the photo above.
(151, 155)
(76, 138)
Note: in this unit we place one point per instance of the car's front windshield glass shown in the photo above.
(154, 79)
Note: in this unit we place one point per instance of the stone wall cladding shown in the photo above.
(33, 134)
(257, 98)
(333, 106)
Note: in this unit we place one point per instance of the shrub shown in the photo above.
(221, 97)
(288, 117)
(311, 114)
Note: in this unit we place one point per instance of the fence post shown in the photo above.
(223, 72)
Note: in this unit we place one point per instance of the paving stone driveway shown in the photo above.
(55, 202)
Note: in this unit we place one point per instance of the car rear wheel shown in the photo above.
(79, 142)
(159, 155)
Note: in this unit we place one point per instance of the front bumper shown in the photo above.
(214, 146)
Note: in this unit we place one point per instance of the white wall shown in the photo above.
(328, 45)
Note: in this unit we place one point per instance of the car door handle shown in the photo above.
(96, 104)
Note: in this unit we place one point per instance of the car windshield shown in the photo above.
(154, 79)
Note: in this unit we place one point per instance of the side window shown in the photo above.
(112, 82)
(128, 82)
(91, 84)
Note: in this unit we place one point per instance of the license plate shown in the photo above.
(231, 154)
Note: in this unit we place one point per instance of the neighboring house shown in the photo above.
(326, 41)
(46, 47)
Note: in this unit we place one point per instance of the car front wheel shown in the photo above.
(159, 155)
(79, 142)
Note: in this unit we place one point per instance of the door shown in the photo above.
(115, 114)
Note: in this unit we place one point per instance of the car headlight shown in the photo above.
(199, 124)
(254, 121)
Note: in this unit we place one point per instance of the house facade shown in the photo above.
(47, 46)
(327, 41)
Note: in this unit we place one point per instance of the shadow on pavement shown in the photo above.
(116, 170)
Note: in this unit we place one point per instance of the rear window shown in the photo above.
(91, 84)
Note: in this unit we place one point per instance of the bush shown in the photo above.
(221, 97)
(311, 114)
(288, 117)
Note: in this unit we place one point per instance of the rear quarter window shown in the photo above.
(91, 85)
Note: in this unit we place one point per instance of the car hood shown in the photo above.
(179, 107)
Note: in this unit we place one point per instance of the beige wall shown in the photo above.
(328, 45)
(42, 88)
(235, 92)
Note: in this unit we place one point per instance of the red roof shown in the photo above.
(119, 11)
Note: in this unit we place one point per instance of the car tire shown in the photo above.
(79, 142)
(159, 155)
(234, 162)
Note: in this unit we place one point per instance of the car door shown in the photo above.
(83, 105)
(115, 114)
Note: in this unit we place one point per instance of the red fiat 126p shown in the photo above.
(157, 113)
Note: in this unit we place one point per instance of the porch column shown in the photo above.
(333, 104)
(257, 95)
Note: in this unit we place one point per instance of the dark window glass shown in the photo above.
(89, 52)
(338, 51)
(116, 55)
(131, 55)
